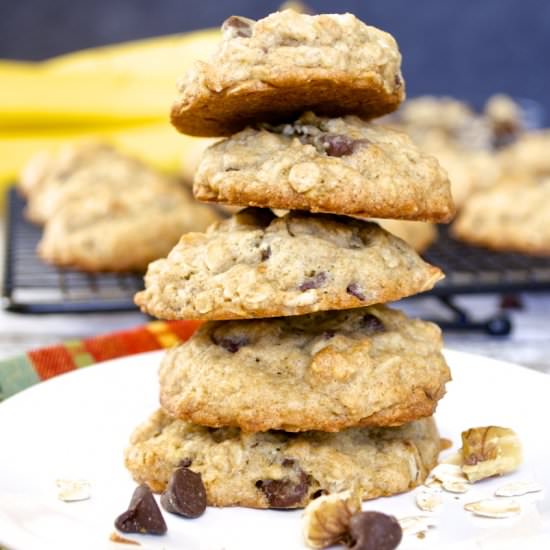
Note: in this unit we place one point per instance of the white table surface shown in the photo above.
(529, 343)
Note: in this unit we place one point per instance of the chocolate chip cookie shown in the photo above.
(512, 216)
(106, 211)
(340, 165)
(275, 68)
(121, 232)
(256, 264)
(325, 371)
(281, 470)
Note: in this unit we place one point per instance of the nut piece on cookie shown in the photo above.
(276, 469)
(259, 265)
(275, 68)
(340, 165)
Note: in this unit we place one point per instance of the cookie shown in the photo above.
(512, 216)
(419, 235)
(256, 264)
(324, 371)
(527, 156)
(281, 470)
(105, 211)
(275, 68)
(340, 165)
(121, 232)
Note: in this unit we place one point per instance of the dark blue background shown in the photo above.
(466, 48)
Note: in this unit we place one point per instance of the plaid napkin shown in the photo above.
(26, 370)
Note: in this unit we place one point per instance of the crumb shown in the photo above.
(115, 537)
(421, 535)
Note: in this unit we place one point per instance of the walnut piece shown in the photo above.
(490, 451)
(326, 519)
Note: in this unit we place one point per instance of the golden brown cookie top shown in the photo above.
(286, 63)
(259, 265)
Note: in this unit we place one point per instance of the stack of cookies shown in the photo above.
(299, 383)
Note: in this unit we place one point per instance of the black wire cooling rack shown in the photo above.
(32, 286)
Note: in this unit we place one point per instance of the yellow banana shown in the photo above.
(166, 55)
(135, 82)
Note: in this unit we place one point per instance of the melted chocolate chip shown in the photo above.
(372, 324)
(185, 463)
(317, 281)
(143, 514)
(232, 344)
(398, 81)
(265, 253)
(288, 462)
(374, 531)
(239, 26)
(355, 290)
(284, 493)
(185, 494)
(337, 145)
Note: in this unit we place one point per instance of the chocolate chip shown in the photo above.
(284, 493)
(337, 145)
(288, 462)
(372, 324)
(355, 290)
(265, 253)
(398, 81)
(328, 334)
(230, 343)
(238, 26)
(185, 494)
(143, 514)
(317, 281)
(185, 463)
(374, 531)
(356, 241)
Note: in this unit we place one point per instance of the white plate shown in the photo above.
(77, 425)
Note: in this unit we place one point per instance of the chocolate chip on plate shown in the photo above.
(317, 281)
(286, 492)
(143, 514)
(374, 531)
(355, 290)
(185, 494)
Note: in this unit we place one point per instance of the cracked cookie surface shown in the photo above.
(280, 470)
(277, 67)
(325, 371)
(256, 264)
(340, 165)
